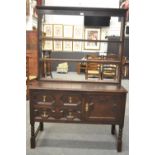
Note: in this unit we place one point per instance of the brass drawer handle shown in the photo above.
(53, 111)
(70, 116)
(70, 99)
(44, 98)
(87, 107)
(44, 114)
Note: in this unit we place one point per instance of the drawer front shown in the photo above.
(104, 107)
(72, 105)
(43, 105)
(53, 105)
(43, 96)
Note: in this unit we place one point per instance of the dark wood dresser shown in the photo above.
(92, 101)
(74, 102)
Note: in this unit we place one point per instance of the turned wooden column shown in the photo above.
(113, 129)
(41, 126)
(32, 135)
(119, 140)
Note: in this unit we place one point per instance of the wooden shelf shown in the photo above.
(81, 40)
(82, 61)
(81, 11)
(106, 81)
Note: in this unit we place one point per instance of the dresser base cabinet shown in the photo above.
(68, 102)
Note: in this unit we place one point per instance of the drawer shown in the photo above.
(71, 99)
(71, 105)
(43, 96)
(42, 113)
(104, 98)
(56, 105)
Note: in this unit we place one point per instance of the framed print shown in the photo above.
(67, 45)
(92, 34)
(58, 31)
(78, 32)
(57, 45)
(27, 7)
(77, 46)
(68, 31)
(47, 29)
(48, 45)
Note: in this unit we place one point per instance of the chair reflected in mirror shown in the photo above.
(109, 71)
(93, 69)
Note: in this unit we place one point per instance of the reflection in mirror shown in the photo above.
(91, 67)
(80, 52)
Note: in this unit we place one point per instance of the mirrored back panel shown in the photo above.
(74, 44)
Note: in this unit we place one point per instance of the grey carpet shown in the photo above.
(78, 139)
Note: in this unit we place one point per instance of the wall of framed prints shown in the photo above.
(73, 27)
(67, 31)
(78, 21)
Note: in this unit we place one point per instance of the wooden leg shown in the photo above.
(41, 126)
(119, 140)
(113, 129)
(86, 76)
(32, 136)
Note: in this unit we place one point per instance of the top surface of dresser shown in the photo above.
(76, 86)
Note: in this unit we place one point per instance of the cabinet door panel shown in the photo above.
(103, 107)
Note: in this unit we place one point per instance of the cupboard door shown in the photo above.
(103, 107)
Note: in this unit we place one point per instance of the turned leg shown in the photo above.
(113, 129)
(119, 140)
(41, 126)
(32, 136)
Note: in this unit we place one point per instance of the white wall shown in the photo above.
(30, 21)
(84, 3)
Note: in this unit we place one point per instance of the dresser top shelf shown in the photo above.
(82, 11)
(76, 86)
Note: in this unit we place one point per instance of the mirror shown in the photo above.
(74, 50)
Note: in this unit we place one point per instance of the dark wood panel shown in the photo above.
(105, 106)
(61, 105)
(81, 40)
(76, 86)
(81, 11)
(31, 52)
